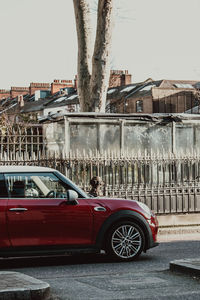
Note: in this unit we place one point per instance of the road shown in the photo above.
(95, 277)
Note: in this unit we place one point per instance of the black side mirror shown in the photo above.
(72, 197)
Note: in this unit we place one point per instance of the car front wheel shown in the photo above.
(125, 241)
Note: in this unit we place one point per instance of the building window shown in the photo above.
(139, 106)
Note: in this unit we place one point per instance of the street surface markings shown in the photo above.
(123, 281)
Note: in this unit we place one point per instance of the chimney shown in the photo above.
(126, 78)
(34, 86)
(15, 91)
(57, 85)
(4, 94)
(119, 78)
(20, 100)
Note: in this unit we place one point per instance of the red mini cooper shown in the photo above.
(43, 212)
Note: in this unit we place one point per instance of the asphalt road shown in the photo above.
(95, 277)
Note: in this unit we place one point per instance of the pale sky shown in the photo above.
(151, 38)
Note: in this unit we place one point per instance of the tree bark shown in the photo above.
(93, 72)
(101, 57)
(83, 27)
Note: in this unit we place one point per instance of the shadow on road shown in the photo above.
(36, 261)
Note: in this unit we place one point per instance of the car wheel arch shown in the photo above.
(120, 216)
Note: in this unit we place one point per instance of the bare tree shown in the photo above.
(93, 69)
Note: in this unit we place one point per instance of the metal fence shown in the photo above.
(21, 140)
(166, 183)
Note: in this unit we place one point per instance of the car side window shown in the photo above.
(35, 185)
(3, 189)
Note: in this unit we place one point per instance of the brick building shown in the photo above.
(57, 85)
(163, 96)
(174, 96)
(16, 91)
(117, 78)
(4, 94)
(36, 86)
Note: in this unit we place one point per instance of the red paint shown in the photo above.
(52, 222)
(4, 238)
(49, 222)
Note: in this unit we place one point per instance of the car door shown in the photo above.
(4, 240)
(42, 216)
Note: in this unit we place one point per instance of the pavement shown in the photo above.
(187, 266)
(18, 286)
(178, 228)
(173, 227)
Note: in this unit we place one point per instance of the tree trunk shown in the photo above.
(92, 86)
(101, 57)
(83, 27)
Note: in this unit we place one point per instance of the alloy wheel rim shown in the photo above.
(126, 241)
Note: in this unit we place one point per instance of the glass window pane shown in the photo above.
(3, 189)
(35, 185)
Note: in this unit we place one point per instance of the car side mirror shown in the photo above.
(72, 197)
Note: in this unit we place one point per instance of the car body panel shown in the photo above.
(117, 209)
(49, 221)
(4, 237)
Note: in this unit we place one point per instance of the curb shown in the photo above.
(187, 266)
(179, 229)
(178, 233)
(15, 286)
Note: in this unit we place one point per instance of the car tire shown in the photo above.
(125, 241)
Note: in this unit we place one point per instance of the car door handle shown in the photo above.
(18, 209)
(100, 208)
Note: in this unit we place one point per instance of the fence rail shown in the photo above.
(166, 183)
(21, 140)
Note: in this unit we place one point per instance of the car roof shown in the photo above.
(11, 169)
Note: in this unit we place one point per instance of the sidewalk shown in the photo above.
(188, 266)
(179, 227)
(15, 286)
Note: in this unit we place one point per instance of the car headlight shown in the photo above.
(145, 208)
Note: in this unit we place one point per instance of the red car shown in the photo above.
(43, 212)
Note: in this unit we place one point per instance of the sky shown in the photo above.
(155, 39)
